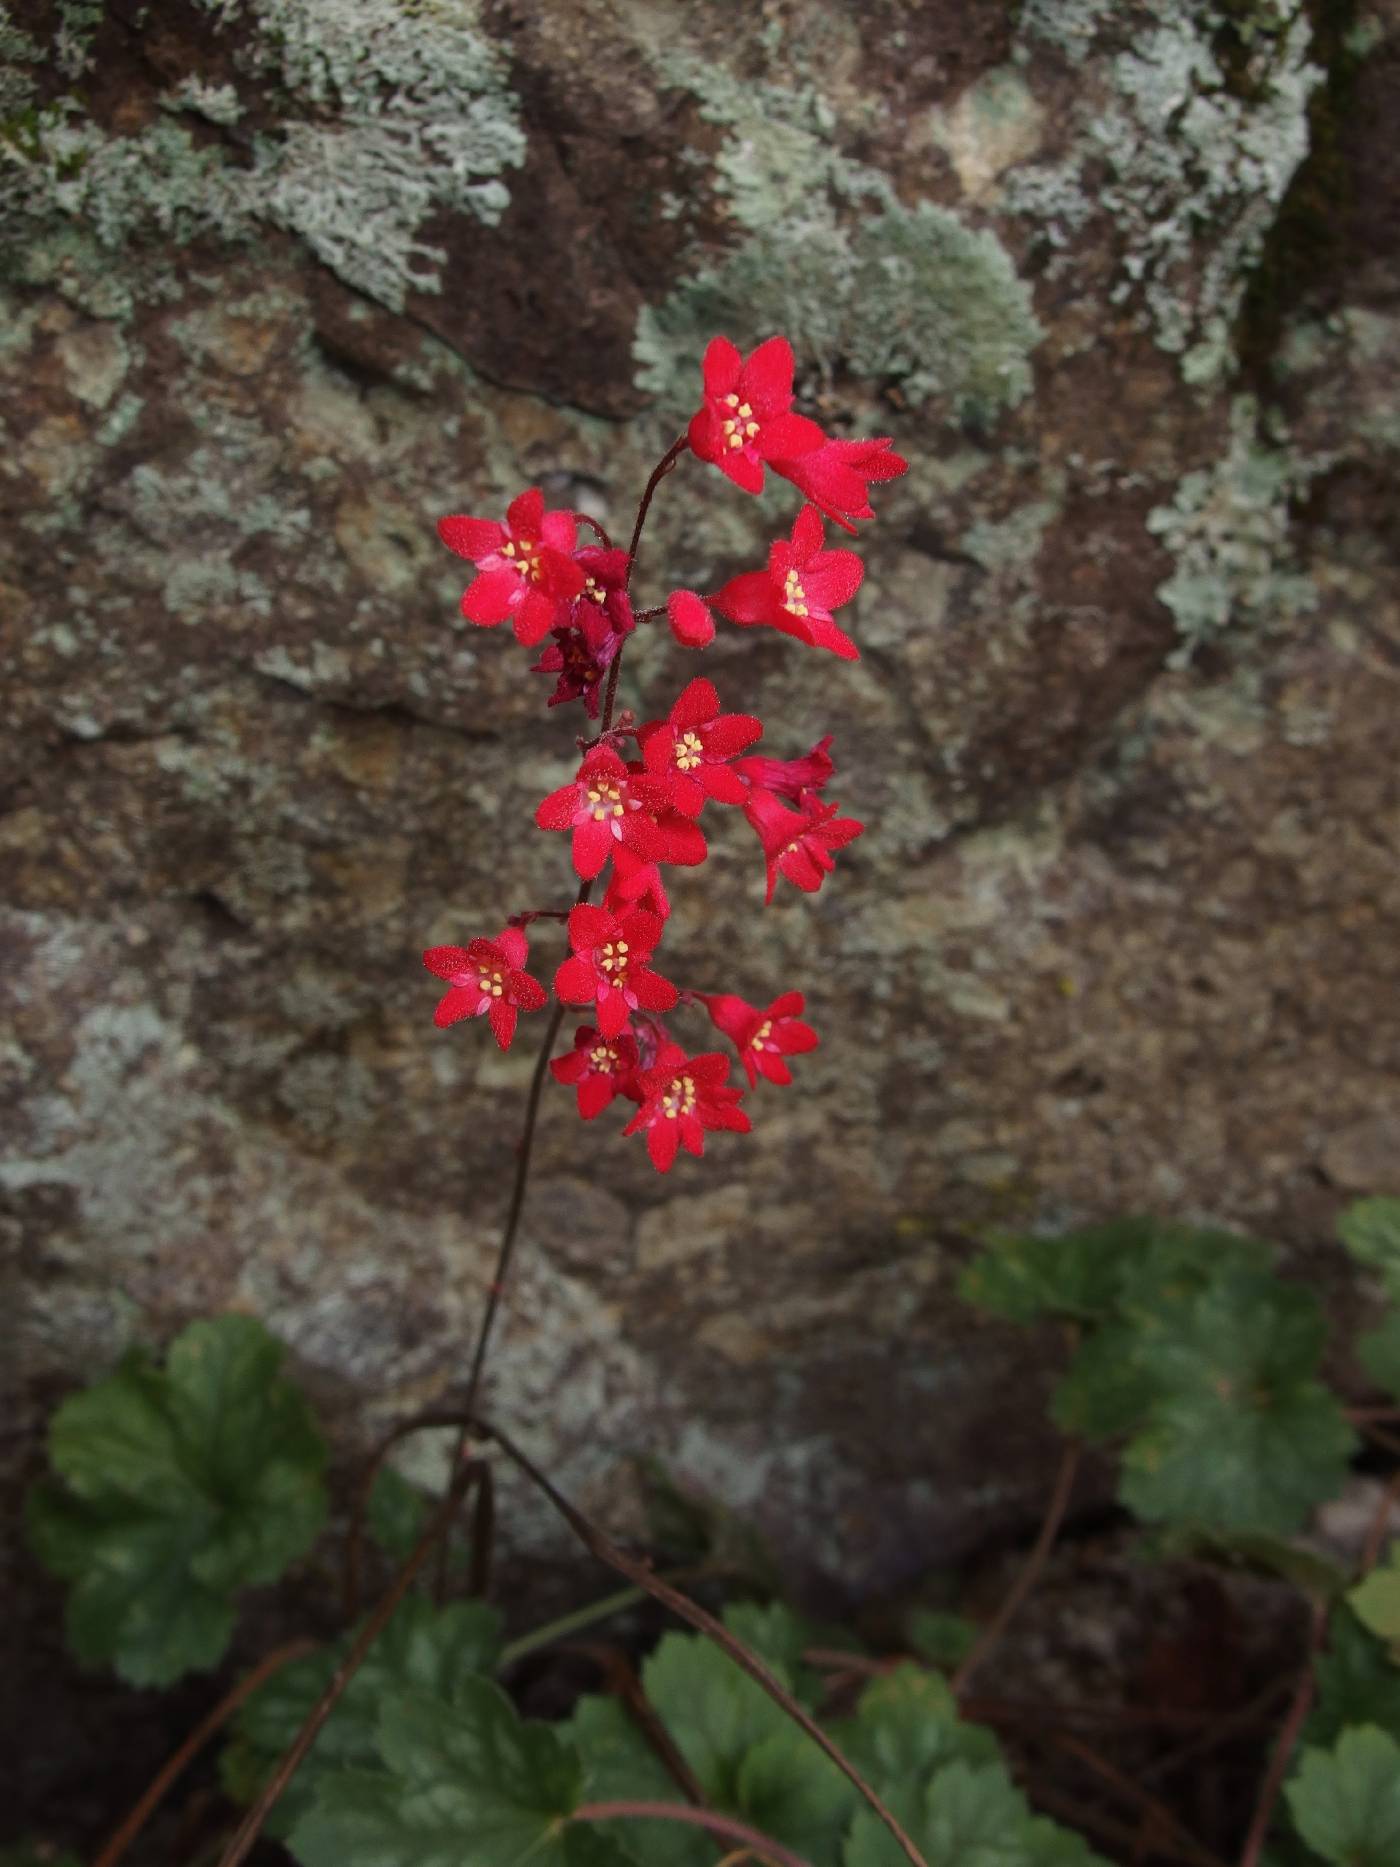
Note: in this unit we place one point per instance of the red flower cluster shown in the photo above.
(632, 810)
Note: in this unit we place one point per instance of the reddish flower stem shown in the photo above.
(170, 1771)
(603, 537)
(722, 1825)
(1026, 1580)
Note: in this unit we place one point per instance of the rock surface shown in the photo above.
(286, 279)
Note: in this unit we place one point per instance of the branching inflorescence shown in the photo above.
(636, 800)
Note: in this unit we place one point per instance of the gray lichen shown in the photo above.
(412, 116)
(910, 296)
(1197, 159)
(1228, 532)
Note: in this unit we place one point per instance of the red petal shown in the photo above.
(747, 599)
(767, 378)
(682, 842)
(697, 703)
(589, 927)
(576, 983)
(458, 1003)
(832, 578)
(743, 469)
(721, 367)
(722, 784)
(491, 597)
(525, 513)
(730, 733)
(569, 1067)
(592, 847)
(787, 436)
(612, 1012)
(808, 534)
(471, 538)
(444, 962)
(651, 991)
(502, 1020)
(514, 946)
(526, 992)
(789, 1005)
(662, 1141)
(641, 929)
(733, 1119)
(557, 810)
(822, 632)
(534, 618)
(559, 530)
(594, 1094)
(706, 437)
(793, 1037)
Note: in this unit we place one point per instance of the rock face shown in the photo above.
(286, 279)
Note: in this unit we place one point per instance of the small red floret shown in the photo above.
(486, 979)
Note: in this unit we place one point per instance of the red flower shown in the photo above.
(835, 476)
(746, 417)
(606, 804)
(799, 590)
(635, 884)
(525, 568)
(683, 1097)
(796, 843)
(789, 777)
(600, 1068)
(589, 631)
(686, 751)
(486, 977)
(609, 966)
(763, 1038)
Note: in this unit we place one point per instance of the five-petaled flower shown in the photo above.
(526, 570)
(797, 843)
(599, 1068)
(762, 1038)
(746, 417)
(609, 966)
(485, 978)
(607, 804)
(801, 586)
(789, 777)
(683, 1096)
(686, 751)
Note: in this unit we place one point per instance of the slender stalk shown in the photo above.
(603, 538)
(1030, 1574)
(1303, 1695)
(359, 1506)
(722, 1825)
(1380, 1524)
(250, 1827)
(640, 1572)
(623, 1683)
(162, 1783)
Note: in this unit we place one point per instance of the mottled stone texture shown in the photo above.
(1122, 281)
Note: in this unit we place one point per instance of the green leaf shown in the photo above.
(1379, 1353)
(1345, 1802)
(1357, 1683)
(179, 1488)
(1109, 1386)
(1076, 1275)
(789, 1789)
(780, 1637)
(715, 1712)
(1375, 1601)
(907, 1724)
(465, 1784)
(941, 1638)
(1242, 1437)
(619, 1765)
(967, 1816)
(1370, 1230)
(442, 1651)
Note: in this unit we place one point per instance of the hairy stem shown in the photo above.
(174, 1766)
(722, 1825)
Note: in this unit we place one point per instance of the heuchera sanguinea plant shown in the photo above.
(635, 804)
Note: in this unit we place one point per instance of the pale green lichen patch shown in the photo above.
(910, 296)
(1228, 532)
(412, 116)
(1196, 159)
